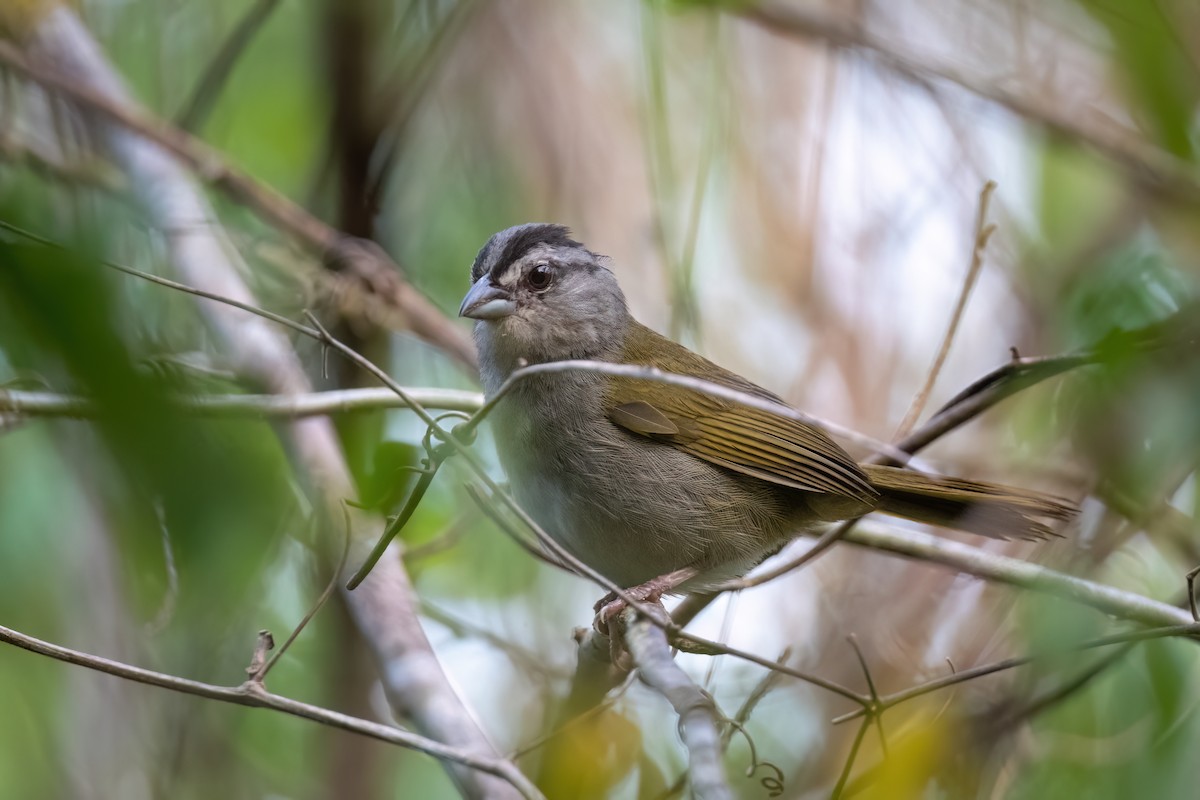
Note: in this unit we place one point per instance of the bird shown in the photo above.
(663, 488)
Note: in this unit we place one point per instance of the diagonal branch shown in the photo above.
(385, 607)
(1146, 165)
(254, 695)
(107, 98)
(195, 111)
(651, 652)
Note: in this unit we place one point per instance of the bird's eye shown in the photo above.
(540, 277)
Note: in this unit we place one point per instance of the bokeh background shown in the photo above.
(789, 188)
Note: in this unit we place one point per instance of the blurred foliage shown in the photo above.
(166, 540)
(1154, 65)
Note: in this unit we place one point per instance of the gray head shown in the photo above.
(542, 296)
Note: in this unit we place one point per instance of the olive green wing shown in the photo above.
(747, 440)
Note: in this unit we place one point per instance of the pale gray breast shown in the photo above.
(630, 508)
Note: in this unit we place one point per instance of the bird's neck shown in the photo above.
(502, 353)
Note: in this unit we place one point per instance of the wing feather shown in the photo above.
(773, 448)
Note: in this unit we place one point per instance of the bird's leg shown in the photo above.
(609, 606)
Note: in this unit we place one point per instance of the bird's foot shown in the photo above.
(610, 606)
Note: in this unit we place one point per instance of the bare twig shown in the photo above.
(195, 111)
(913, 544)
(1015, 572)
(957, 677)
(255, 696)
(983, 232)
(263, 644)
(260, 675)
(651, 652)
(655, 375)
(1057, 694)
(1191, 592)
(1146, 165)
(851, 755)
(1000, 384)
(963, 557)
(565, 558)
(385, 608)
(691, 643)
(372, 265)
(296, 406)
(875, 713)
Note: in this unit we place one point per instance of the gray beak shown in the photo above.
(486, 301)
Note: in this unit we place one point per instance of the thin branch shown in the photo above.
(691, 643)
(366, 259)
(255, 696)
(698, 727)
(912, 544)
(840, 786)
(874, 712)
(962, 676)
(1057, 694)
(983, 232)
(260, 675)
(1015, 572)
(1146, 165)
(296, 406)
(1190, 577)
(455, 442)
(1000, 384)
(196, 110)
(655, 375)
(385, 608)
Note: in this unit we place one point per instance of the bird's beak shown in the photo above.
(487, 301)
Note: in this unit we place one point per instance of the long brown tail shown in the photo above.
(988, 509)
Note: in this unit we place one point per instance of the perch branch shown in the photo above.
(698, 726)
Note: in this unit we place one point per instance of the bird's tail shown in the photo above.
(988, 509)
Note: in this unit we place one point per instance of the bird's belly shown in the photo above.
(659, 509)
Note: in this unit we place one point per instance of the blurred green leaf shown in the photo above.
(1151, 56)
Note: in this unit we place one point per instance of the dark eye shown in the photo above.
(540, 277)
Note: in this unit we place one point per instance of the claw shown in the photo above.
(610, 606)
